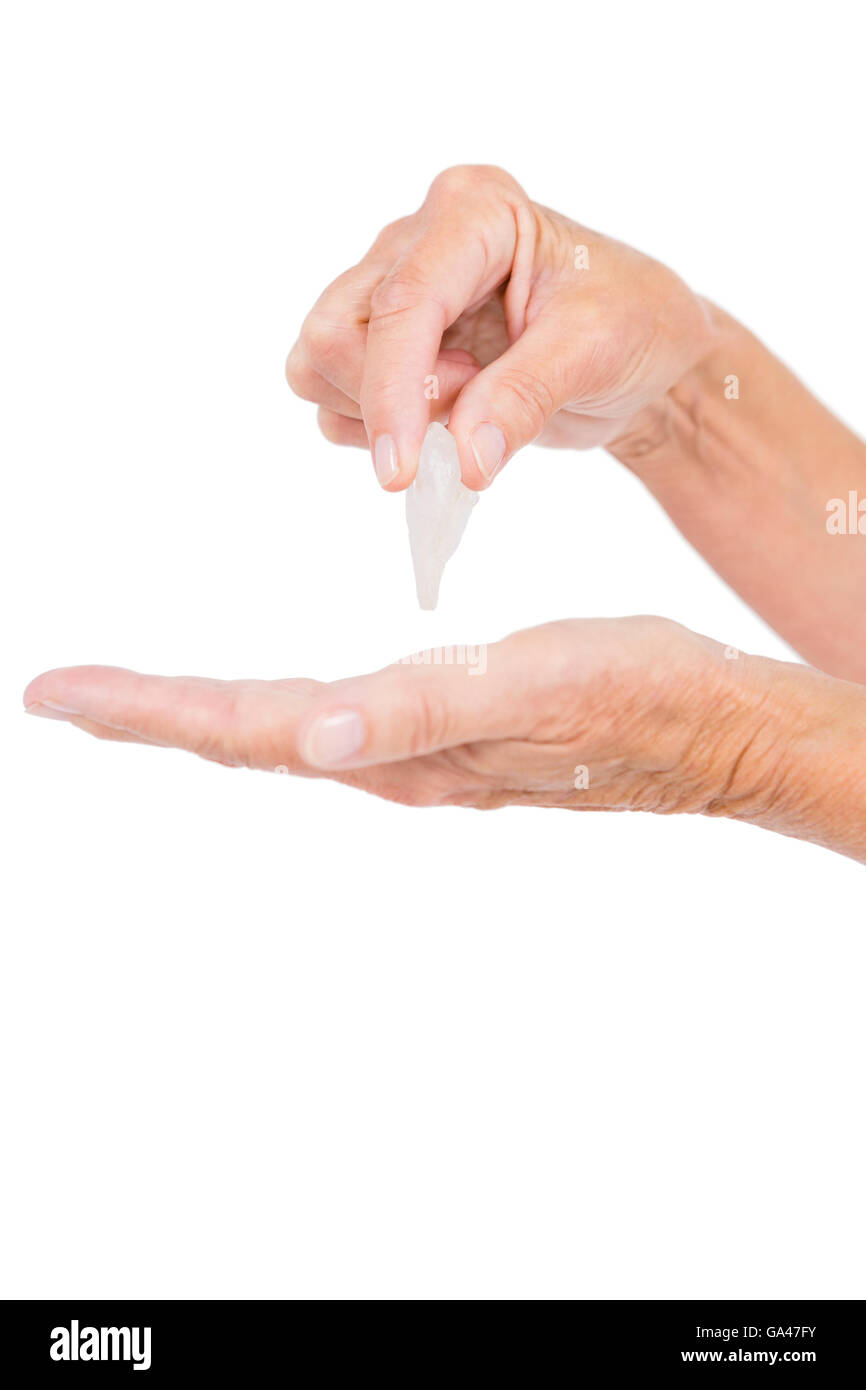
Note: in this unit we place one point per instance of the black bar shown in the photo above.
(195, 1342)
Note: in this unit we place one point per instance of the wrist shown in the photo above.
(798, 763)
(668, 429)
(745, 462)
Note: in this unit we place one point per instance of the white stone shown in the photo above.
(437, 510)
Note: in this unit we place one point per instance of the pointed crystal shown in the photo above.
(437, 510)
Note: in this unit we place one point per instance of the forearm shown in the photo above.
(745, 461)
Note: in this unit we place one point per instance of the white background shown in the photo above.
(263, 1037)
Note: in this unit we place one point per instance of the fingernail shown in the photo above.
(385, 460)
(333, 738)
(488, 446)
(47, 709)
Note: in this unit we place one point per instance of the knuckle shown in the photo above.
(300, 376)
(399, 294)
(336, 428)
(463, 178)
(657, 633)
(321, 340)
(420, 710)
(392, 234)
(327, 422)
(454, 180)
(409, 784)
(217, 725)
(428, 723)
(417, 792)
(421, 792)
(533, 397)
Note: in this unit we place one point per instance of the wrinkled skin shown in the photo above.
(480, 287)
(535, 327)
(656, 714)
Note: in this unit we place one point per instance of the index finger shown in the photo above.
(458, 261)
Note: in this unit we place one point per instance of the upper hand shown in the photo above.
(524, 324)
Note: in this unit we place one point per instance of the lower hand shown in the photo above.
(622, 714)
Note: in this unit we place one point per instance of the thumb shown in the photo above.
(508, 404)
(434, 700)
